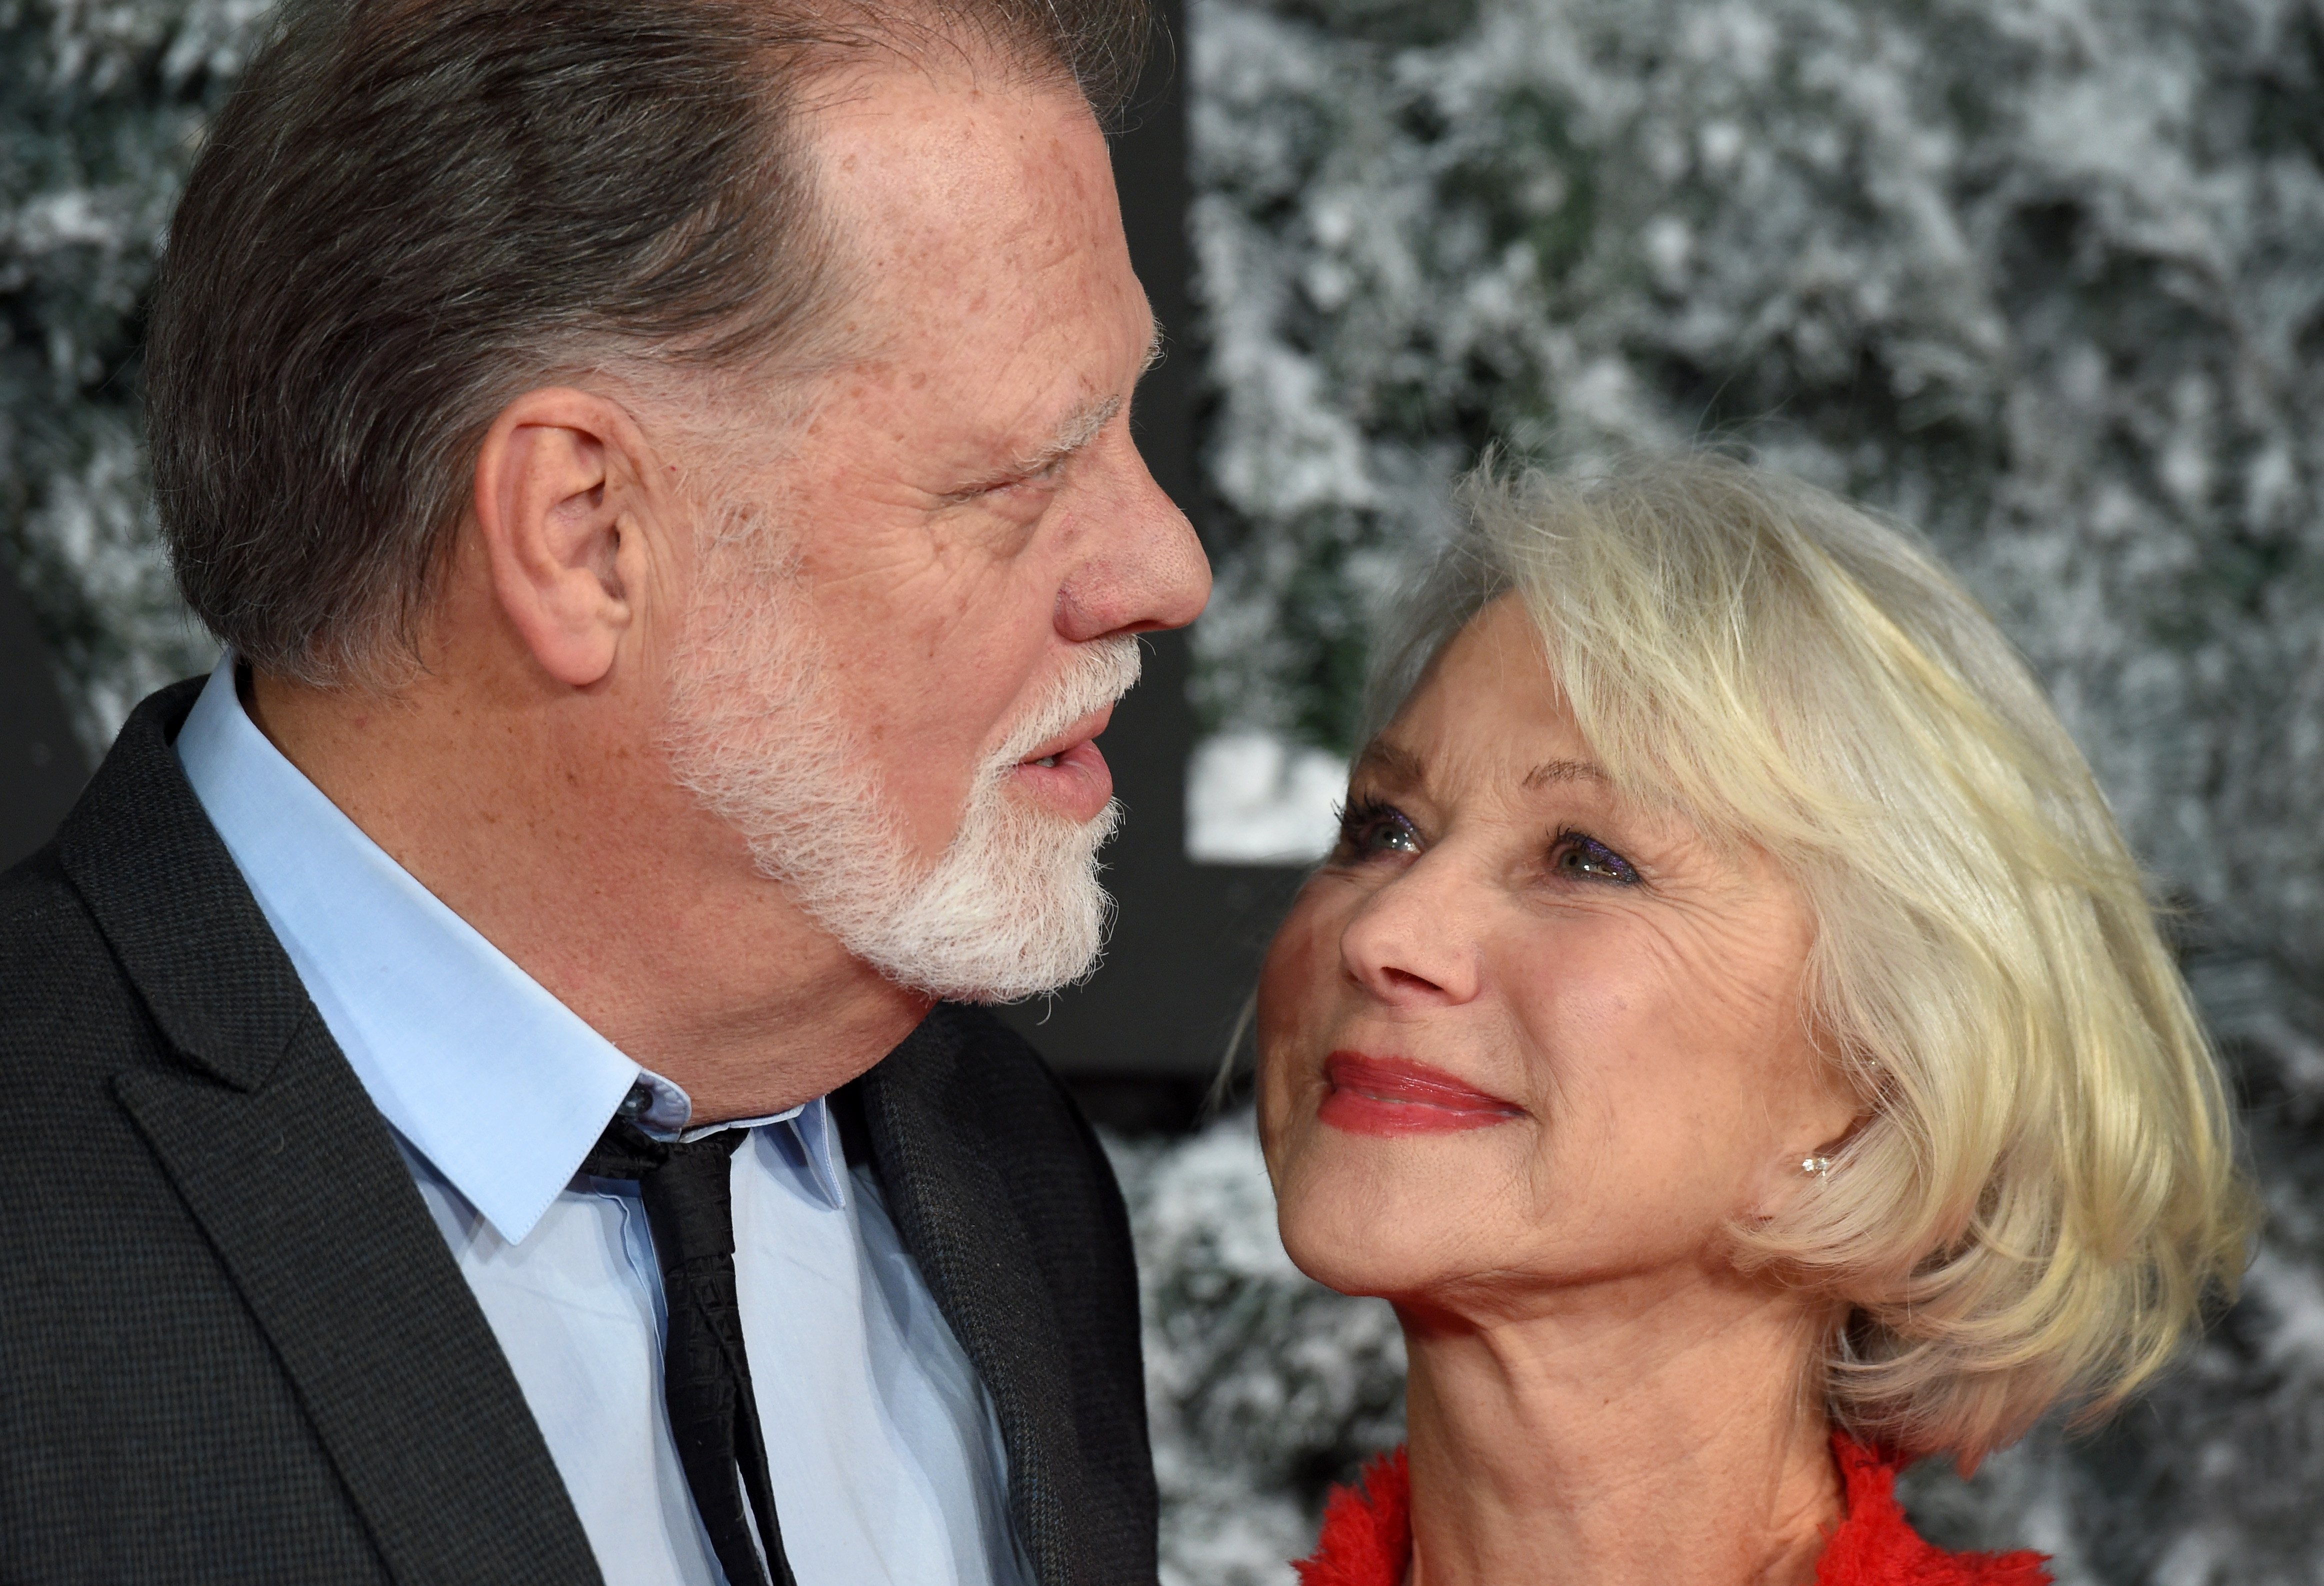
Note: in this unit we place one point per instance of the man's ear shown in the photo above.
(560, 505)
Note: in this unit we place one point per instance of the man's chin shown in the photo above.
(993, 939)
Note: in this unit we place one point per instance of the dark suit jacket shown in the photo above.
(233, 1347)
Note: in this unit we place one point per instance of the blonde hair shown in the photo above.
(2044, 1193)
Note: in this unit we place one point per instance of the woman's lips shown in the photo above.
(1392, 1096)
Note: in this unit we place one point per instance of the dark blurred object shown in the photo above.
(40, 764)
(1141, 1104)
(1185, 954)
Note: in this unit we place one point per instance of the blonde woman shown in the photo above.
(1732, 1032)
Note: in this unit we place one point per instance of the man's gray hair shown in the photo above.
(411, 212)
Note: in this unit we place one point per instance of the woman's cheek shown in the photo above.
(1292, 958)
(1294, 992)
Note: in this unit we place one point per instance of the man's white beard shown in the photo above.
(1011, 909)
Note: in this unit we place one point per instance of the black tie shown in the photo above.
(688, 1190)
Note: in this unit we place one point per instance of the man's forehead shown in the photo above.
(940, 147)
(948, 201)
(992, 286)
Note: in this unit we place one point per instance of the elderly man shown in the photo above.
(493, 1074)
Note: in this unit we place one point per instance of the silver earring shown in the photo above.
(1816, 1167)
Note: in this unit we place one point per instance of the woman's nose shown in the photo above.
(1414, 941)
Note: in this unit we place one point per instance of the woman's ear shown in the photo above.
(559, 507)
(1809, 1144)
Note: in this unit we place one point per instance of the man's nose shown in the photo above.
(1144, 568)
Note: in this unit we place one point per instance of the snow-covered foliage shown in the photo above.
(99, 106)
(1252, 799)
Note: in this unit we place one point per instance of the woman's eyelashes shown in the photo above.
(1582, 857)
(1370, 829)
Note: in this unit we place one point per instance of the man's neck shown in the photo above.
(1617, 1439)
(560, 838)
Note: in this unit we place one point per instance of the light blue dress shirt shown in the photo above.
(885, 1453)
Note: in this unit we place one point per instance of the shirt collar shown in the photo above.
(501, 1086)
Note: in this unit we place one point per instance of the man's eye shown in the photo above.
(1046, 479)
(1584, 858)
(1368, 827)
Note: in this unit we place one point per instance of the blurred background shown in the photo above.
(2045, 277)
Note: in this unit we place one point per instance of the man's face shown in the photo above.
(951, 552)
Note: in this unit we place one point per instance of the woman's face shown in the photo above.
(1518, 1034)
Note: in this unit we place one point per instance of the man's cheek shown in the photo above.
(930, 607)
(940, 710)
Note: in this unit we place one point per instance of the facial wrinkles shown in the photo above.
(1651, 1031)
(995, 243)
(957, 497)
(1681, 1005)
(1555, 968)
(1011, 907)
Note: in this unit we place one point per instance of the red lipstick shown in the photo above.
(1391, 1097)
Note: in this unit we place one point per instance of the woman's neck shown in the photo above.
(1603, 1438)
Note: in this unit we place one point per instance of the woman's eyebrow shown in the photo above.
(1391, 764)
(1550, 771)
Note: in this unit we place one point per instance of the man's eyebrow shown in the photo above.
(1084, 423)
(1080, 426)
(1566, 771)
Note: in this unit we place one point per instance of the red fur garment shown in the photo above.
(1366, 1537)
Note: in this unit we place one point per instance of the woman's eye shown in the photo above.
(1366, 828)
(1577, 854)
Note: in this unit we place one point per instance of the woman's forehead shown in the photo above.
(1488, 721)
(1432, 752)
(1490, 707)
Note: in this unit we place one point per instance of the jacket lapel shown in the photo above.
(295, 1180)
(955, 1215)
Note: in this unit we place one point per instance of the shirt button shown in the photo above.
(638, 1102)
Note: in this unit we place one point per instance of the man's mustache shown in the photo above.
(1099, 673)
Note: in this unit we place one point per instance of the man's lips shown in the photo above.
(1395, 1097)
(1068, 772)
(1081, 732)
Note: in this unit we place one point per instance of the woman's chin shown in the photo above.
(1379, 1268)
(1377, 1228)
